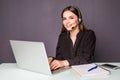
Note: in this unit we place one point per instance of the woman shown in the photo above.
(76, 44)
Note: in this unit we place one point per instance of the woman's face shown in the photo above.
(69, 20)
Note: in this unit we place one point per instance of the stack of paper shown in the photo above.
(90, 70)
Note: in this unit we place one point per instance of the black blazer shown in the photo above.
(83, 50)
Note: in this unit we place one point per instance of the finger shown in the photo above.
(54, 65)
(54, 68)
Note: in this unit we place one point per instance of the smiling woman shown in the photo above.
(76, 44)
(72, 18)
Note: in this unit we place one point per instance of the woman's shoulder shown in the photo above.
(89, 31)
(63, 34)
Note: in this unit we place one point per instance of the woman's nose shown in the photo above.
(67, 21)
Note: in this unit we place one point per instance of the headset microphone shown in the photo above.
(77, 24)
(73, 27)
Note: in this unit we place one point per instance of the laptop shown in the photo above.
(32, 56)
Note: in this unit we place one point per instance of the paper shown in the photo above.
(83, 70)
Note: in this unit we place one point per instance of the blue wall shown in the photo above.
(40, 20)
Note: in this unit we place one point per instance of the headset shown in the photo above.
(79, 14)
(79, 18)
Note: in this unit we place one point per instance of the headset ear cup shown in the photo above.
(79, 20)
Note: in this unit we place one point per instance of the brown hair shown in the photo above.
(77, 12)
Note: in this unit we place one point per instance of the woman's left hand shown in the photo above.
(58, 64)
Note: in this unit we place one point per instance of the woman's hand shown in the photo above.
(58, 64)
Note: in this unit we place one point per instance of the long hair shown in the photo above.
(77, 12)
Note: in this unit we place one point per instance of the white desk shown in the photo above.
(9, 71)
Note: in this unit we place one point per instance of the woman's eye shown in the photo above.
(71, 17)
(68, 18)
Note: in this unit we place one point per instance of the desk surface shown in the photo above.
(9, 71)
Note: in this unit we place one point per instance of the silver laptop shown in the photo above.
(31, 56)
